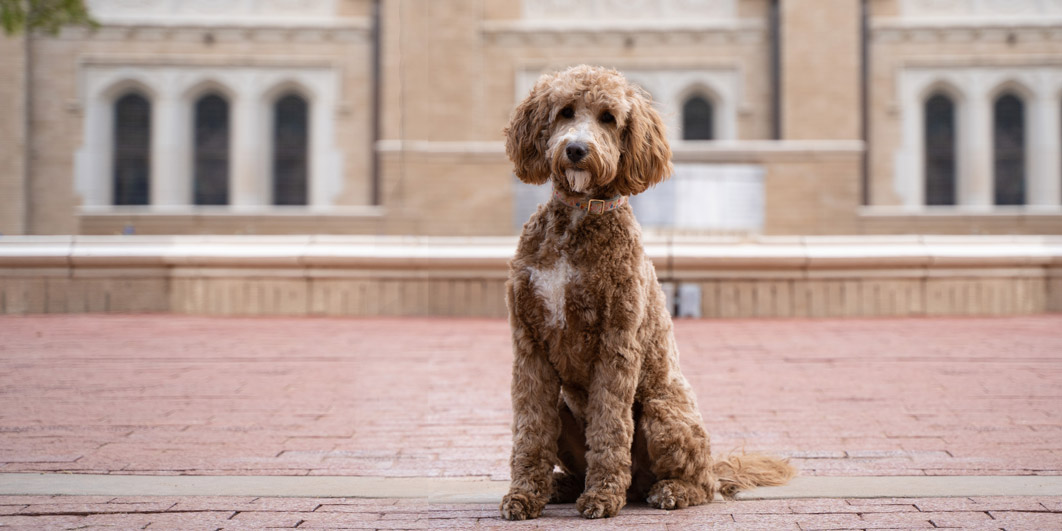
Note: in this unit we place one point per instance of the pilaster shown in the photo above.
(1045, 165)
(975, 186)
(249, 170)
(169, 185)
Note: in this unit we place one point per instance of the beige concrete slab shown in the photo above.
(473, 490)
(443, 489)
(909, 487)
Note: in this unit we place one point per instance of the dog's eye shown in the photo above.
(567, 112)
(607, 118)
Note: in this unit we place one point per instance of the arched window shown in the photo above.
(290, 146)
(211, 151)
(940, 150)
(1008, 144)
(697, 119)
(132, 149)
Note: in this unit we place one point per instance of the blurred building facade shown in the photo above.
(385, 117)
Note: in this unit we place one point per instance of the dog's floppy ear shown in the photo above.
(646, 156)
(527, 133)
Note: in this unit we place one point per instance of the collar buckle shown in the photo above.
(591, 206)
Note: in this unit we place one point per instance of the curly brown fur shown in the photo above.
(590, 326)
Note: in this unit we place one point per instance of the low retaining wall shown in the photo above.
(364, 275)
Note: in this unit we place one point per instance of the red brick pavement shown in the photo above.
(166, 394)
(39, 512)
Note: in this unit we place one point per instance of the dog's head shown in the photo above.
(591, 132)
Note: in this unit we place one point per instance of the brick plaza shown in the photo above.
(165, 395)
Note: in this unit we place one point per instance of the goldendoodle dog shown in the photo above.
(596, 387)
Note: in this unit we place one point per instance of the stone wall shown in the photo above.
(77, 74)
(12, 134)
(970, 51)
(452, 70)
(820, 83)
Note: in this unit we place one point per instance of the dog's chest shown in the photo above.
(551, 285)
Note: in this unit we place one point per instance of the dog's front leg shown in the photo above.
(536, 427)
(610, 431)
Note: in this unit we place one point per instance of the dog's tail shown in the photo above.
(744, 471)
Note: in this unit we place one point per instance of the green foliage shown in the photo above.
(17, 16)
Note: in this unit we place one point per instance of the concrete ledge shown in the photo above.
(531, 27)
(404, 275)
(1027, 219)
(811, 252)
(157, 220)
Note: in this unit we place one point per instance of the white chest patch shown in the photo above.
(549, 286)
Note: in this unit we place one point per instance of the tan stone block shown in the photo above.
(344, 297)
(440, 298)
(1053, 302)
(736, 298)
(390, 297)
(138, 295)
(178, 296)
(772, 298)
(820, 69)
(811, 299)
(459, 293)
(710, 301)
(495, 299)
(12, 295)
(1034, 295)
(12, 134)
(417, 297)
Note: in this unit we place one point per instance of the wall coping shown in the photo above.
(671, 255)
(944, 211)
(533, 27)
(231, 211)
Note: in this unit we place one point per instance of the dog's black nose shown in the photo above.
(576, 151)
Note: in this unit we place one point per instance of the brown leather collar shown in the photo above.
(593, 206)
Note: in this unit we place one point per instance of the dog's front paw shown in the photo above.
(675, 494)
(599, 504)
(519, 505)
(664, 496)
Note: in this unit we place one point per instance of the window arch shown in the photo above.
(132, 149)
(939, 148)
(698, 118)
(1008, 146)
(290, 150)
(211, 178)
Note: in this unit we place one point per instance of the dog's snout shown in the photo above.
(576, 151)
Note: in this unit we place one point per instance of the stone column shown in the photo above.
(246, 182)
(1044, 176)
(93, 162)
(170, 178)
(912, 164)
(975, 184)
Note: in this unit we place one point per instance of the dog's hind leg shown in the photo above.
(566, 487)
(678, 447)
(642, 478)
(569, 482)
